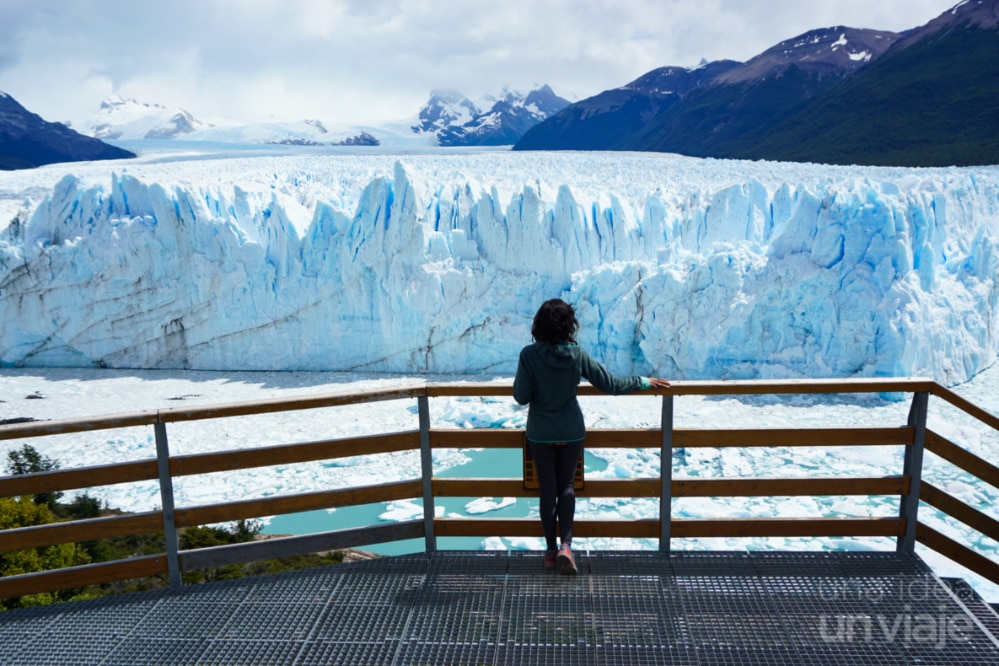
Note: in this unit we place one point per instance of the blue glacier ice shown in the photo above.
(430, 263)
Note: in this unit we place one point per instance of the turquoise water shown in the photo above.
(486, 463)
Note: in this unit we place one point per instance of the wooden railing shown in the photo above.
(904, 527)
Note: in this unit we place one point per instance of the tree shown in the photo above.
(23, 512)
(219, 535)
(27, 460)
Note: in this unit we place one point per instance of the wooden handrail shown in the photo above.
(800, 386)
(967, 407)
(272, 506)
(955, 508)
(204, 463)
(958, 552)
(727, 387)
(38, 536)
(822, 437)
(78, 477)
(603, 438)
(284, 454)
(648, 528)
(67, 426)
(751, 487)
(196, 412)
(202, 412)
(789, 527)
(816, 487)
(217, 556)
(82, 576)
(964, 459)
(649, 438)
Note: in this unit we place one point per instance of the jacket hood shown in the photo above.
(558, 356)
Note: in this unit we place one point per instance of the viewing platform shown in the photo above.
(664, 606)
(629, 608)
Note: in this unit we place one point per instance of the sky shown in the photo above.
(373, 61)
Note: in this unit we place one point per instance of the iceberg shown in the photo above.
(434, 263)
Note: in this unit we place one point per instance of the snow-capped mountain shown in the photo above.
(447, 119)
(493, 121)
(836, 51)
(294, 133)
(444, 109)
(129, 120)
(125, 118)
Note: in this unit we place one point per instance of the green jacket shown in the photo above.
(547, 377)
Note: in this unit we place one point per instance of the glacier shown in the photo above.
(346, 260)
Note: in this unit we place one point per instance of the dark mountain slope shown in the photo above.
(932, 101)
(27, 141)
(608, 120)
(926, 97)
(737, 108)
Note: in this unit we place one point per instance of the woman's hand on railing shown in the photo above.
(658, 383)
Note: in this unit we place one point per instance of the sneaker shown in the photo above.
(567, 561)
(551, 559)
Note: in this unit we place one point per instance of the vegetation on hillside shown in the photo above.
(47, 508)
(935, 103)
(714, 121)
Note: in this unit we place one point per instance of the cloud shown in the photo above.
(356, 60)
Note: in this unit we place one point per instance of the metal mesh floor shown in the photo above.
(451, 607)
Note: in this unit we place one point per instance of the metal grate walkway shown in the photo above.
(452, 607)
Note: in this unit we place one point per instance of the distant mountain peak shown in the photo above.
(318, 125)
(447, 95)
(126, 118)
(673, 80)
(443, 109)
(116, 101)
(981, 14)
(495, 120)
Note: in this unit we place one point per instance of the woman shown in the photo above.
(548, 373)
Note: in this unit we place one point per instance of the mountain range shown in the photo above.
(924, 97)
(496, 121)
(447, 119)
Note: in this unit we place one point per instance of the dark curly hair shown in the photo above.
(555, 322)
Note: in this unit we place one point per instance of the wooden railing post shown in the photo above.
(166, 495)
(666, 475)
(427, 473)
(912, 467)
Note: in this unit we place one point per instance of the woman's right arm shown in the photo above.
(597, 375)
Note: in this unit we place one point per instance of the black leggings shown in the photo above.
(556, 467)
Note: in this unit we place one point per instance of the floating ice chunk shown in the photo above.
(487, 504)
(401, 510)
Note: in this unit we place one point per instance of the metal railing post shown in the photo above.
(166, 495)
(912, 467)
(666, 475)
(427, 473)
